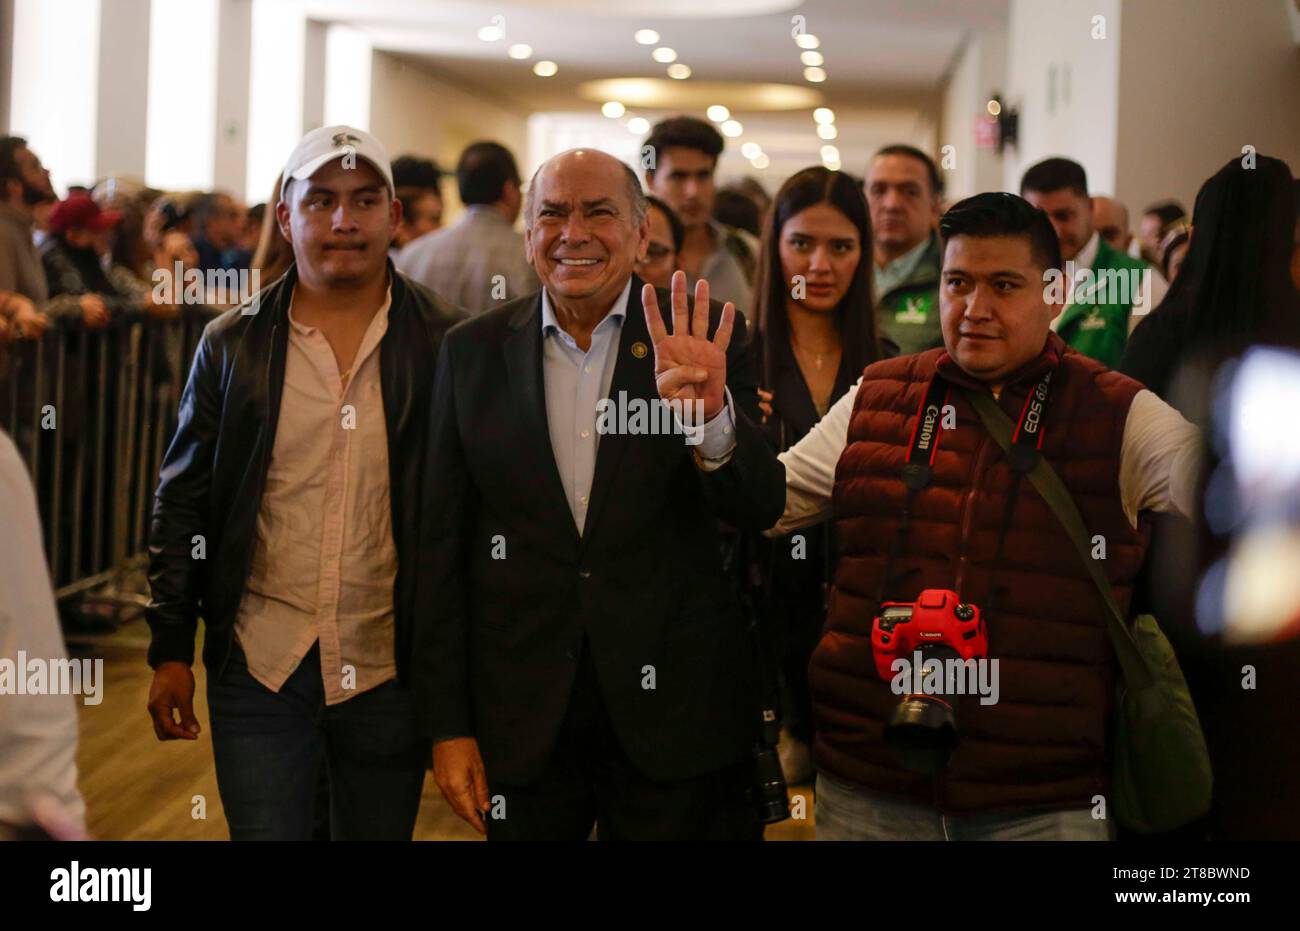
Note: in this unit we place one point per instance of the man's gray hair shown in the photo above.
(640, 206)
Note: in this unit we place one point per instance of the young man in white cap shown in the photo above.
(286, 515)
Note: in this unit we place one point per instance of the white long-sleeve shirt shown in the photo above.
(1158, 463)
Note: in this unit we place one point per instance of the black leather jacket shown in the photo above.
(214, 472)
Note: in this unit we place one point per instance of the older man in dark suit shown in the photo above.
(582, 658)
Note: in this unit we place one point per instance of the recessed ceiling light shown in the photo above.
(646, 37)
(751, 150)
(824, 115)
(807, 40)
(490, 33)
(638, 125)
(520, 51)
(832, 165)
(663, 55)
(827, 130)
(830, 153)
(812, 59)
(718, 113)
(545, 69)
(760, 162)
(679, 72)
(814, 75)
(612, 109)
(732, 128)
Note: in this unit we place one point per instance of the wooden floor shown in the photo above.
(138, 788)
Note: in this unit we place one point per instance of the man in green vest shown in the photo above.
(903, 191)
(1105, 291)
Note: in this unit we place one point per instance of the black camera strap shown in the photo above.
(918, 469)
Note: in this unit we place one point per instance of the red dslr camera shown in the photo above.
(937, 618)
(937, 627)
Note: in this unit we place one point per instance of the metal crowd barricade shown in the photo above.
(92, 413)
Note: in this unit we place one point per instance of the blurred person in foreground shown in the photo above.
(478, 262)
(38, 733)
(297, 460)
(1224, 349)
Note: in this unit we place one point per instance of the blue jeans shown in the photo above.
(269, 747)
(846, 812)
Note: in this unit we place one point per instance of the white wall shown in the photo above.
(1200, 79)
(979, 73)
(275, 111)
(348, 60)
(1065, 83)
(123, 102)
(182, 97)
(234, 51)
(54, 103)
(1173, 90)
(415, 112)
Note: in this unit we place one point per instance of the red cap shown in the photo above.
(81, 212)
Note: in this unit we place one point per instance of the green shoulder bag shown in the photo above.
(1161, 778)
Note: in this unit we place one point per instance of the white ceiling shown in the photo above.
(896, 49)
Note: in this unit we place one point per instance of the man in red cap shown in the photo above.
(71, 255)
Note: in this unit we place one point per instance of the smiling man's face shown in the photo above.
(994, 315)
(582, 239)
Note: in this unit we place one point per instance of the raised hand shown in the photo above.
(688, 365)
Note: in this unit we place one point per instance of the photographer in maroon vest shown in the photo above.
(1031, 758)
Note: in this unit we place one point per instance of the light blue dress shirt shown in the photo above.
(575, 381)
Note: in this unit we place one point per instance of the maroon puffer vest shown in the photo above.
(1044, 744)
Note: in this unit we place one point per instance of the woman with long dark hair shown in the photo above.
(1234, 292)
(815, 332)
(1234, 287)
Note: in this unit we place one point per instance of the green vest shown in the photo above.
(1096, 322)
(909, 313)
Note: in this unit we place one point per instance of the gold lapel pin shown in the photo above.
(639, 349)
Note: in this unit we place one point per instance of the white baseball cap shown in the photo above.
(330, 142)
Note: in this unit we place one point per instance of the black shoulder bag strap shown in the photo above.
(1137, 674)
